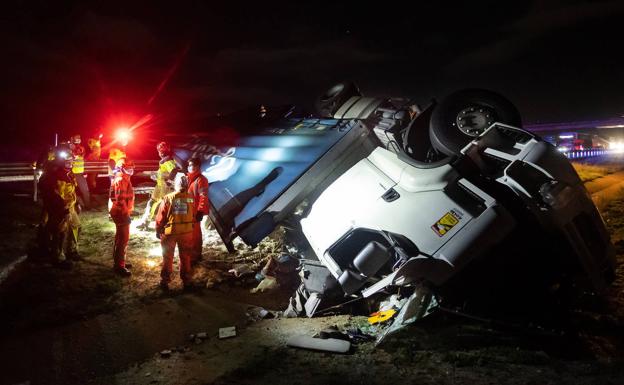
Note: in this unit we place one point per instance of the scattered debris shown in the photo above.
(381, 316)
(165, 353)
(358, 336)
(332, 345)
(268, 283)
(214, 277)
(198, 338)
(392, 302)
(227, 332)
(241, 269)
(332, 332)
(256, 313)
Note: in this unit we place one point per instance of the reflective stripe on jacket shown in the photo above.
(121, 196)
(78, 165)
(176, 214)
(198, 189)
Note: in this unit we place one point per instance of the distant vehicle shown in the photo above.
(425, 204)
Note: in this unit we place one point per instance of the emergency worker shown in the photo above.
(174, 226)
(95, 151)
(198, 189)
(61, 224)
(122, 205)
(167, 170)
(78, 154)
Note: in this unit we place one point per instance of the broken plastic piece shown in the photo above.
(332, 345)
(381, 316)
(227, 332)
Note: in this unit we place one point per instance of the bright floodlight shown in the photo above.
(123, 135)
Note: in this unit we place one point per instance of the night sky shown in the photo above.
(90, 66)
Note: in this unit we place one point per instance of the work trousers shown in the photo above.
(122, 235)
(83, 189)
(185, 249)
(61, 236)
(197, 243)
(151, 207)
(56, 233)
(92, 180)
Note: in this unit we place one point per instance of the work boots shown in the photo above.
(122, 271)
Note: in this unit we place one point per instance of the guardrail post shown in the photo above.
(35, 180)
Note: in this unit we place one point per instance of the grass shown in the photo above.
(594, 168)
(588, 172)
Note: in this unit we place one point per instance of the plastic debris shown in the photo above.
(358, 336)
(332, 345)
(241, 269)
(381, 316)
(268, 283)
(165, 353)
(256, 313)
(227, 332)
(332, 332)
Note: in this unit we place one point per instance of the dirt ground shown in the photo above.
(86, 325)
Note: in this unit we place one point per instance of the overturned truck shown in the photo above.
(426, 203)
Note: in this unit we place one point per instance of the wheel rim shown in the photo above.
(473, 120)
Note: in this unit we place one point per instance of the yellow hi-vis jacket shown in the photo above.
(165, 167)
(176, 214)
(66, 188)
(78, 165)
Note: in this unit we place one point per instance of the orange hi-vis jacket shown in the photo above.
(121, 196)
(176, 214)
(198, 189)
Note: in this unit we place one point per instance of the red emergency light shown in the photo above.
(123, 135)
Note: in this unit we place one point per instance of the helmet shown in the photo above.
(181, 182)
(116, 154)
(92, 142)
(163, 148)
(75, 139)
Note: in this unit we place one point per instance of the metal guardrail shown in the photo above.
(582, 154)
(100, 166)
(28, 171)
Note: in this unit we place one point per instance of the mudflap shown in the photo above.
(419, 305)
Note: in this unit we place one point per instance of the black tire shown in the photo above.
(335, 97)
(465, 114)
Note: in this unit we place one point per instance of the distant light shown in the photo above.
(617, 146)
(566, 136)
(562, 149)
(63, 155)
(151, 263)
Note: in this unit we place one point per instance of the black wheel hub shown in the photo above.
(473, 120)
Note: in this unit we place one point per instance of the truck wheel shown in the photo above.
(465, 114)
(335, 97)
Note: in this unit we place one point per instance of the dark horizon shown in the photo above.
(91, 67)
